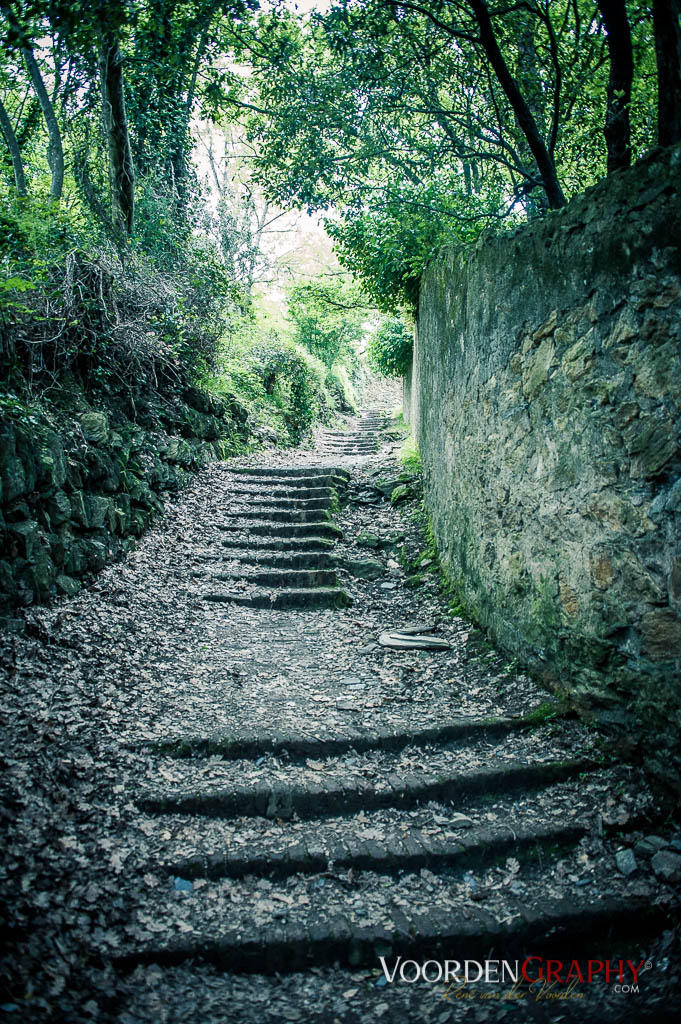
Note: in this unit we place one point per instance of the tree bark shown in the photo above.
(668, 53)
(121, 169)
(523, 114)
(617, 122)
(14, 151)
(55, 152)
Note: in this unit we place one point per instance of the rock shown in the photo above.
(386, 487)
(13, 478)
(95, 427)
(667, 865)
(368, 540)
(67, 585)
(373, 540)
(24, 539)
(59, 508)
(626, 862)
(99, 511)
(414, 629)
(78, 512)
(362, 568)
(661, 631)
(401, 493)
(649, 845)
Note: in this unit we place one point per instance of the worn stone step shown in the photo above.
(313, 560)
(296, 485)
(292, 578)
(268, 528)
(269, 543)
(310, 799)
(259, 500)
(393, 852)
(303, 598)
(360, 438)
(274, 515)
(289, 472)
(566, 925)
(350, 447)
(291, 494)
(299, 746)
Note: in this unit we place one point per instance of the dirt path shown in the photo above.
(225, 799)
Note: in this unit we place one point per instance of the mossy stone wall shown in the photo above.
(77, 488)
(546, 397)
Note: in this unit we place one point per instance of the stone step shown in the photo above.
(314, 560)
(348, 446)
(395, 851)
(326, 796)
(322, 530)
(362, 437)
(338, 433)
(335, 933)
(289, 472)
(302, 598)
(295, 544)
(297, 494)
(258, 500)
(274, 515)
(292, 578)
(298, 746)
(294, 484)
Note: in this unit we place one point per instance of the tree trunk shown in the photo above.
(121, 170)
(14, 151)
(523, 114)
(617, 123)
(55, 152)
(668, 54)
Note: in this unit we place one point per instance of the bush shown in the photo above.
(72, 303)
(391, 348)
(284, 388)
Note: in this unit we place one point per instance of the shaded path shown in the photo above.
(253, 784)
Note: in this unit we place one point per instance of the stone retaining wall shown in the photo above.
(547, 405)
(76, 490)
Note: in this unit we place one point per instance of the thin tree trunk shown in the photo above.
(55, 152)
(14, 151)
(121, 170)
(668, 53)
(523, 114)
(617, 122)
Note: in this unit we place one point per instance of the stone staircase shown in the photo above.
(362, 439)
(278, 538)
(382, 853)
(284, 850)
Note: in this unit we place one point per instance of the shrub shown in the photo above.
(391, 348)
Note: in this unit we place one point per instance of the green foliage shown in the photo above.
(72, 305)
(397, 118)
(328, 318)
(391, 348)
(294, 382)
(285, 388)
(410, 456)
